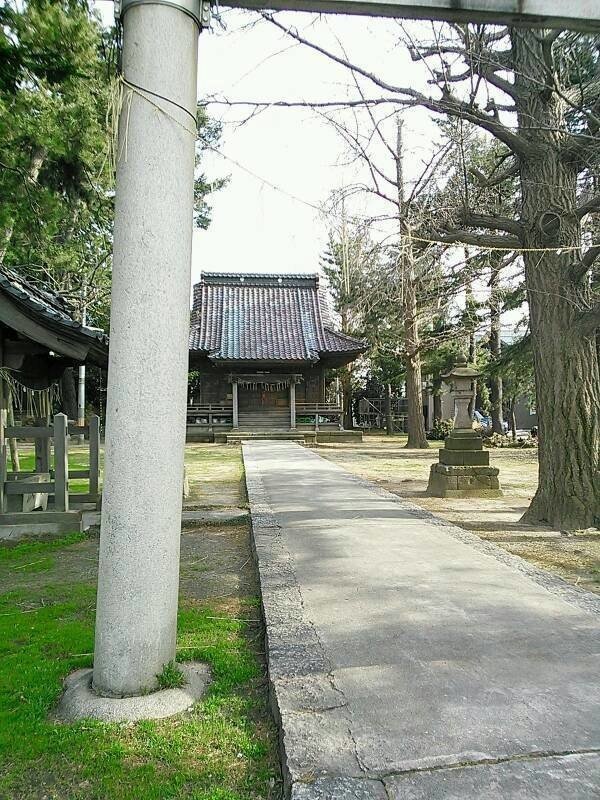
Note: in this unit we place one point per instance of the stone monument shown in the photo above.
(464, 468)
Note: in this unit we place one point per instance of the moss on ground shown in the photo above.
(223, 749)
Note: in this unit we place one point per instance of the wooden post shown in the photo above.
(61, 463)
(94, 455)
(317, 417)
(12, 442)
(236, 422)
(42, 451)
(292, 404)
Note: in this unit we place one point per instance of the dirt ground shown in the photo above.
(217, 577)
(385, 461)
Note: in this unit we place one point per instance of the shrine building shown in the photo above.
(260, 350)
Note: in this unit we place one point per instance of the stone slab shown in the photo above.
(463, 443)
(549, 778)
(412, 646)
(340, 789)
(465, 458)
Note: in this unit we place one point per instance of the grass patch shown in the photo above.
(223, 749)
(171, 677)
(16, 552)
(215, 474)
(78, 459)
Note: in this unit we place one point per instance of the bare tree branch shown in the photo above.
(589, 321)
(491, 221)
(581, 268)
(447, 104)
(477, 239)
(591, 205)
(487, 182)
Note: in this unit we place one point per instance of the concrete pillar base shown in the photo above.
(446, 480)
(80, 701)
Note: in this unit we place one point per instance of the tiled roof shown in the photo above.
(53, 310)
(239, 317)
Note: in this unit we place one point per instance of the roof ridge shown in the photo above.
(283, 279)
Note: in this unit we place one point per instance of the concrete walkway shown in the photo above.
(408, 659)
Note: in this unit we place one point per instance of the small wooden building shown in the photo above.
(39, 340)
(262, 345)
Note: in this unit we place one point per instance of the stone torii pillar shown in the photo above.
(147, 376)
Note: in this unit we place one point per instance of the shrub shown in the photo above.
(441, 429)
(504, 440)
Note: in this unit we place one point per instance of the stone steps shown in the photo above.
(266, 420)
(265, 435)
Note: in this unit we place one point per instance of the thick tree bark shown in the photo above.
(564, 350)
(495, 352)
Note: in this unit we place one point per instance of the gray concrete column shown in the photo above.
(147, 378)
(235, 400)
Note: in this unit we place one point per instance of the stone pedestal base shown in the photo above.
(80, 701)
(463, 481)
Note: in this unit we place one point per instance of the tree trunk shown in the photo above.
(35, 164)
(68, 394)
(389, 417)
(564, 348)
(495, 350)
(415, 420)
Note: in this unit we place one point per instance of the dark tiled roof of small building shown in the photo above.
(253, 317)
(53, 311)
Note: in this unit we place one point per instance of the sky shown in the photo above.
(283, 164)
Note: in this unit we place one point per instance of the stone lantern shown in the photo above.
(461, 378)
(463, 469)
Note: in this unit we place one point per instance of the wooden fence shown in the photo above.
(50, 479)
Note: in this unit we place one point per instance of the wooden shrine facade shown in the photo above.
(260, 346)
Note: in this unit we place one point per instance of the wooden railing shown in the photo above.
(45, 480)
(320, 415)
(371, 412)
(209, 415)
